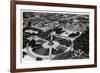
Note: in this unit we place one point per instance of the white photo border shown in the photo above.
(36, 64)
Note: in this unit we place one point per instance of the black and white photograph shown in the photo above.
(54, 36)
